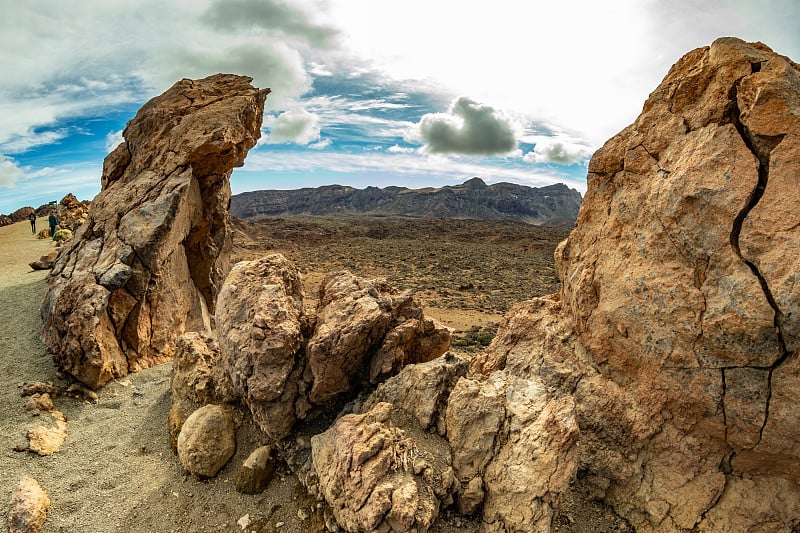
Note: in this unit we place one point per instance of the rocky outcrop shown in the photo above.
(27, 508)
(376, 478)
(285, 365)
(125, 289)
(552, 205)
(676, 329)
(21, 214)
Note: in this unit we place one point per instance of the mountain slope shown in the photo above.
(553, 205)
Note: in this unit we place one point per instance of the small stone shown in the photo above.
(256, 472)
(27, 508)
(207, 441)
(303, 514)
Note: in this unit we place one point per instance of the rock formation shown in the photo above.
(286, 365)
(207, 441)
(124, 290)
(676, 329)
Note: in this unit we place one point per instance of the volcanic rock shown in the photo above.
(676, 329)
(366, 326)
(44, 440)
(374, 476)
(256, 472)
(21, 214)
(207, 441)
(27, 508)
(147, 263)
(46, 262)
(259, 323)
(197, 380)
(5, 220)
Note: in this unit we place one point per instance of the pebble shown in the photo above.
(280, 524)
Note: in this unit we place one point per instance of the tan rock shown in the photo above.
(27, 508)
(374, 476)
(146, 264)
(207, 441)
(197, 380)
(366, 325)
(45, 262)
(676, 331)
(44, 440)
(256, 472)
(39, 402)
(259, 323)
(422, 389)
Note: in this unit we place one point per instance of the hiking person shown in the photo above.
(53, 220)
(32, 218)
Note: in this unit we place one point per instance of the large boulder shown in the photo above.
(27, 508)
(676, 329)
(259, 323)
(366, 329)
(376, 477)
(147, 263)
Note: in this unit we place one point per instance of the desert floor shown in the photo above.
(116, 472)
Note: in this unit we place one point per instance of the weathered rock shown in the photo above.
(256, 472)
(676, 332)
(374, 476)
(422, 389)
(146, 264)
(27, 508)
(48, 440)
(197, 380)
(5, 220)
(46, 262)
(514, 444)
(39, 403)
(207, 441)
(350, 339)
(259, 323)
(28, 388)
(21, 214)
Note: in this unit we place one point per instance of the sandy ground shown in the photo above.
(115, 472)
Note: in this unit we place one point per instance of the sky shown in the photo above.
(364, 92)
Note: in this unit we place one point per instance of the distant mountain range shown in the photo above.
(553, 205)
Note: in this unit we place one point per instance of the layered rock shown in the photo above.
(676, 329)
(125, 289)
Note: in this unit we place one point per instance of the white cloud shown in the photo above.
(296, 126)
(555, 151)
(324, 143)
(469, 128)
(397, 149)
(114, 139)
(9, 172)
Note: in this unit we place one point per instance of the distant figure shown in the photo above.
(32, 218)
(53, 220)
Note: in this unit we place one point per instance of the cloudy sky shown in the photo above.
(364, 92)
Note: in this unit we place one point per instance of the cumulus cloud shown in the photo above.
(397, 149)
(553, 151)
(296, 126)
(324, 143)
(270, 15)
(9, 172)
(469, 128)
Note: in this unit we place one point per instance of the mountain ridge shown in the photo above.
(551, 205)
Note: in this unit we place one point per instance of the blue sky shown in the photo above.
(416, 93)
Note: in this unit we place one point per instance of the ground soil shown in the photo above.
(116, 472)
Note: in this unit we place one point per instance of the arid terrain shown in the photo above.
(116, 473)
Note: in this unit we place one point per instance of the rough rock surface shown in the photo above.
(676, 331)
(258, 319)
(366, 326)
(46, 262)
(422, 390)
(375, 477)
(197, 380)
(256, 472)
(124, 290)
(514, 444)
(207, 441)
(43, 440)
(27, 508)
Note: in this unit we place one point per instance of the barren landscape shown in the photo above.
(116, 472)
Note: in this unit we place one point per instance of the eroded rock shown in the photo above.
(27, 508)
(375, 477)
(207, 441)
(125, 287)
(256, 472)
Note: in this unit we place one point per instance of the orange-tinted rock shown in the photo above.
(27, 508)
(146, 264)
